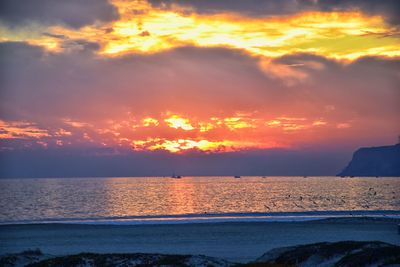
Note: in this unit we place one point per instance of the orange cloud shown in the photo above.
(150, 122)
(182, 145)
(177, 122)
(179, 134)
(215, 134)
(323, 101)
(76, 124)
(21, 130)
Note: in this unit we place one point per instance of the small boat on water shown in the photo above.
(236, 176)
(176, 176)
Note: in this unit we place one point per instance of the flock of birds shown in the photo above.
(300, 201)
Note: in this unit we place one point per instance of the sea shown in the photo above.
(160, 200)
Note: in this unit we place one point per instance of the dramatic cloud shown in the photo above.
(207, 99)
(198, 78)
(143, 29)
(387, 8)
(73, 13)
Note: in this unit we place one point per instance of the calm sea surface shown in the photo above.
(144, 199)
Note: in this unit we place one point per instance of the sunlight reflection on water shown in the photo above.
(33, 199)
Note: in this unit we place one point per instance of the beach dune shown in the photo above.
(236, 242)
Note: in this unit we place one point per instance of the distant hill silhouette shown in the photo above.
(374, 161)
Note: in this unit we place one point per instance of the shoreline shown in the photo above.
(218, 218)
(234, 241)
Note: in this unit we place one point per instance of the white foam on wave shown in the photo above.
(216, 218)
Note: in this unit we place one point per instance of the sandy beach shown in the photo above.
(239, 242)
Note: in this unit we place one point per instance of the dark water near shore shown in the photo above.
(156, 199)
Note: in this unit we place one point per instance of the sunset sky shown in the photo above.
(153, 87)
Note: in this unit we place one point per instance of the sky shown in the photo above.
(199, 87)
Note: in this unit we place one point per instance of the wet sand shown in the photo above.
(240, 242)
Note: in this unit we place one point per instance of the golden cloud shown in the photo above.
(176, 133)
(144, 29)
(21, 130)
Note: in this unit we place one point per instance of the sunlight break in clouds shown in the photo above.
(176, 122)
(218, 134)
(145, 29)
(169, 77)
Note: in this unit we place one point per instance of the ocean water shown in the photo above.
(138, 200)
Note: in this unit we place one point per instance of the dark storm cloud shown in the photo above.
(390, 9)
(68, 43)
(249, 7)
(80, 44)
(73, 13)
